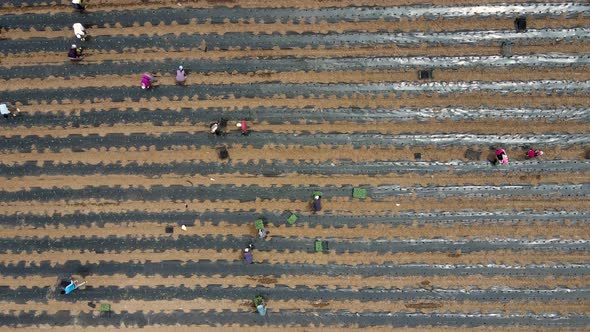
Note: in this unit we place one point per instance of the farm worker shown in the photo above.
(243, 125)
(75, 53)
(79, 31)
(501, 156)
(6, 109)
(317, 203)
(534, 153)
(71, 287)
(146, 81)
(180, 75)
(78, 4)
(248, 258)
(262, 233)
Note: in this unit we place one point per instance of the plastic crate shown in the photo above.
(292, 219)
(259, 224)
(359, 193)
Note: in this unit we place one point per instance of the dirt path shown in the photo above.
(52, 306)
(495, 256)
(351, 281)
(479, 126)
(38, 58)
(372, 232)
(466, 100)
(321, 27)
(280, 153)
(408, 179)
(298, 77)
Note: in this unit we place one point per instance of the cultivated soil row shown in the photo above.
(321, 27)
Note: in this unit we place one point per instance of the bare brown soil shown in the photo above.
(409, 179)
(53, 307)
(109, 155)
(321, 27)
(373, 232)
(91, 56)
(351, 281)
(274, 257)
(460, 75)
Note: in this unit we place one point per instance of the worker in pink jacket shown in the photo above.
(146, 81)
(501, 156)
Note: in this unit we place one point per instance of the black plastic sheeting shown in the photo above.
(293, 317)
(292, 40)
(282, 244)
(280, 168)
(220, 15)
(248, 65)
(326, 220)
(238, 268)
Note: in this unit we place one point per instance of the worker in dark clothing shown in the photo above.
(75, 53)
(78, 5)
(317, 203)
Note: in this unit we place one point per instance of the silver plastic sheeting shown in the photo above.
(489, 36)
(469, 139)
(458, 87)
(483, 11)
(423, 114)
(544, 60)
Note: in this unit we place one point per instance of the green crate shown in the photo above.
(319, 246)
(292, 219)
(259, 224)
(316, 193)
(105, 307)
(359, 193)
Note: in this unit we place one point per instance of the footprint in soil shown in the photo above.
(320, 304)
(267, 280)
(426, 305)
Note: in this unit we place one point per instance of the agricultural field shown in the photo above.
(127, 190)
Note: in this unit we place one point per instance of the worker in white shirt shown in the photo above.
(79, 31)
(78, 5)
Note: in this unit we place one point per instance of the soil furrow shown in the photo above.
(319, 27)
(372, 232)
(335, 207)
(521, 258)
(165, 79)
(332, 282)
(563, 307)
(282, 179)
